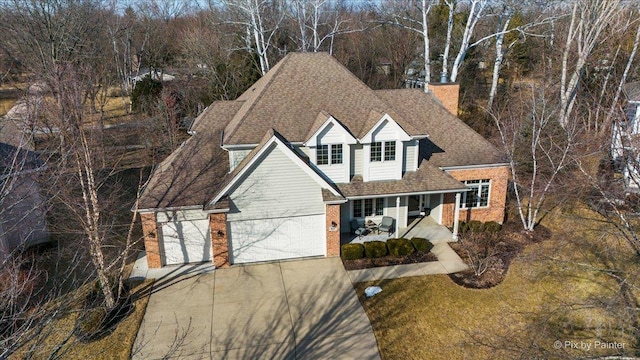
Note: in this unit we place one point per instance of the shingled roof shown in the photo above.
(292, 101)
(191, 175)
(632, 90)
(451, 142)
(426, 179)
(290, 97)
(295, 91)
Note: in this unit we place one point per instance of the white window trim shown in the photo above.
(383, 147)
(476, 187)
(362, 201)
(329, 156)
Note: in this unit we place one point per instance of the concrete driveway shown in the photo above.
(304, 309)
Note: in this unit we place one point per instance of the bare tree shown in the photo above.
(476, 10)
(591, 21)
(260, 20)
(414, 16)
(537, 150)
(56, 42)
(318, 21)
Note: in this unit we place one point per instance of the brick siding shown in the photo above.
(333, 237)
(219, 239)
(151, 243)
(499, 177)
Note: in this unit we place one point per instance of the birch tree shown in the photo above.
(476, 10)
(55, 42)
(451, 7)
(316, 23)
(537, 149)
(503, 26)
(414, 17)
(591, 21)
(259, 32)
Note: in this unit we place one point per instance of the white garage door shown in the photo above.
(186, 241)
(275, 239)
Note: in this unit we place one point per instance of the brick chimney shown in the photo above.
(448, 95)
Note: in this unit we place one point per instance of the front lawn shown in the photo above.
(557, 290)
(58, 336)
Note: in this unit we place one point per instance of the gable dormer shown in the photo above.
(383, 150)
(329, 148)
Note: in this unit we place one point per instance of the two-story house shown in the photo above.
(625, 142)
(281, 171)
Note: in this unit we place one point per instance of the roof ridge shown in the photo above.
(270, 134)
(251, 101)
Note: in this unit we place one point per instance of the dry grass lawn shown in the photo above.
(116, 345)
(5, 105)
(553, 291)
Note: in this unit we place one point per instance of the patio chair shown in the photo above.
(356, 229)
(386, 224)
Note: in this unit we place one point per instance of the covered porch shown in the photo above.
(423, 227)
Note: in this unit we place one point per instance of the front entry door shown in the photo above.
(416, 204)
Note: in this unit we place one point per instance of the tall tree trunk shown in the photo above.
(426, 6)
(447, 45)
(497, 64)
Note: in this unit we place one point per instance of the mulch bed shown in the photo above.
(513, 241)
(416, 257)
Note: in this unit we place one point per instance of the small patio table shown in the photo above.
(371, 226)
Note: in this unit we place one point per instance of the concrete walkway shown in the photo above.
(303, 309)
(448, 262)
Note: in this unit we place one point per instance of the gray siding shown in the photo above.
(304, 150)
(275, 187)
(236, 156)
(410, 149)
(356, 159)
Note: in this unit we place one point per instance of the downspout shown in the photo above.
(397, 215)
(456, 217)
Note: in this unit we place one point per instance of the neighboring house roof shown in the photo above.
(16, 148)
(14, 124)
(153, 74)
(427, 178)
(632, 91)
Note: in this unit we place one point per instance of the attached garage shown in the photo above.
(185, 241)
(278, 238)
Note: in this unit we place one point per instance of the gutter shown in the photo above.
(408, 193)
(471, 167)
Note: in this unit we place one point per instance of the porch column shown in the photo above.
(397, 215)
(219, 239)
(456, 217)
(151, 240)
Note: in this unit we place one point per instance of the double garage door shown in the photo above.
(275, 239)
(189, 241)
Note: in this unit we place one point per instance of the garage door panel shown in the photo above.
(186, 242)
(281, 238)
